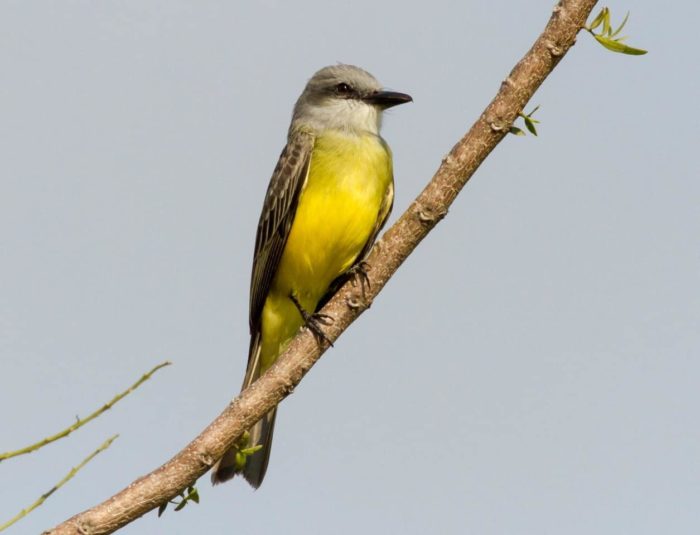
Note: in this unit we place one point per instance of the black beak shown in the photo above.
(387, 99)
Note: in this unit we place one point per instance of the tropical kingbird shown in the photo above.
(329, 196)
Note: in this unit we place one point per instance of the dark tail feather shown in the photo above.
(256, 464)
(260, 434)
(225, 469)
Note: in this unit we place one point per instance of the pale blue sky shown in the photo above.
(532, 368)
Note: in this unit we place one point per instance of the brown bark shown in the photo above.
(148, 492)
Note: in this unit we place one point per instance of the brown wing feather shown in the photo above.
(276, 219)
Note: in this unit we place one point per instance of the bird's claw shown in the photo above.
(359, 273)
(314, 321)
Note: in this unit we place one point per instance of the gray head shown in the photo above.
(346, 98)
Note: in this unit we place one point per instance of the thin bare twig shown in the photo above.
(80, 422)
(24, 512)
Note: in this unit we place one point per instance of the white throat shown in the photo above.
(349, 116)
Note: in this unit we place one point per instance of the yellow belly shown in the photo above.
(338, 209)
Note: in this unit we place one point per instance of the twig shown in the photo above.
(82, 421)
(68, 476)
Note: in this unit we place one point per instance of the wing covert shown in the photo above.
(276, 218)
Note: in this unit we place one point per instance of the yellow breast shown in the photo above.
(338, 209)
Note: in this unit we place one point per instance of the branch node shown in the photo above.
(84, 528)
(354, 302)
(508, 82)
(554, 49)
(497, 125)
(428, 215)
(448, 160)
(206, 458)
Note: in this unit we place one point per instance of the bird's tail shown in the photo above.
(255, 464)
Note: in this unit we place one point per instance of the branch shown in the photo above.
(80, 422)
(24, 512)
(398, 242)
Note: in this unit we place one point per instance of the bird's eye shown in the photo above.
(343, 89)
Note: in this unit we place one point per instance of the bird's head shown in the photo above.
(345, 98)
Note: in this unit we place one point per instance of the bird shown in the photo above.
(330, 194)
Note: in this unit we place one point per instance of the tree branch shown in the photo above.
(398, 242)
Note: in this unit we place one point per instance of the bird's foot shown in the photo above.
(314, 322)
(358, 272)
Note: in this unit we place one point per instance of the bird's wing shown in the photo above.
(276, 219)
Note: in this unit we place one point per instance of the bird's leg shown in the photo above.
(314, 321)
(358, 272)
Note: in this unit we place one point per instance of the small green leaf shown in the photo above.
(515, 130)
(194, 495)
(598, 20)
(162, 508)
(251, 450)
(621, 25)
(180, 505)
(606, 22)
(617, 46)
(530, 125)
